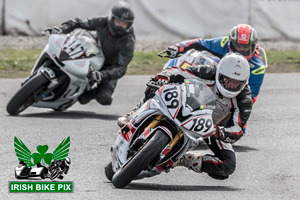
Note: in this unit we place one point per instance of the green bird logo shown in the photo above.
(31, 159)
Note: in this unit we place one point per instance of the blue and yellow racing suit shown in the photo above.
(219, 47)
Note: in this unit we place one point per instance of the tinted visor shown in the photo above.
(243, 49)
(230, 84)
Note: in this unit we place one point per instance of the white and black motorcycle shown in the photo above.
(161, 131)
(61, 73)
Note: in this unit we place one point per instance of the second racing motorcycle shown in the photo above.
(61, 73)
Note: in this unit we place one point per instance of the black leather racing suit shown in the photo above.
(118, 52)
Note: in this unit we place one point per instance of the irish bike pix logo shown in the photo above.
(42, 165)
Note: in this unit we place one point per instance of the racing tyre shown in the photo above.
(139, 161)
(109, 173)
(28, 94)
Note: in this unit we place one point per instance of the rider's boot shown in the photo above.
(86, 97)
(191, 161)
(125, 119)
(122, 121)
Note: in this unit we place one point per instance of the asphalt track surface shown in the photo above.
(267, 156)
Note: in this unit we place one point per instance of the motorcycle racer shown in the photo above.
(243, 39)
(228, 80)
(115, 35)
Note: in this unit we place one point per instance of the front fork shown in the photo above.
(168, 148)
(175, 140)
(43, 69)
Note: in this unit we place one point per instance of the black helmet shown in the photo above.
(121, 11)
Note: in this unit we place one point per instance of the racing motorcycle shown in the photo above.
(61, 73)
(161, 131)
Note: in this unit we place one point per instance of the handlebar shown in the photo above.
(160, 54)
(152, 84)
(51, 30)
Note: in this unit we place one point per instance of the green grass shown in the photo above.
(145, 63)
(283, 61)
(18, 63)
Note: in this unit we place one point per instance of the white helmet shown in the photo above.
(232, 74)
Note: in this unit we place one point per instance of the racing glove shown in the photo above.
(161, 79)
(219, 133)
(173, 51)
(54, 30)
(69, 25)
(153, 85)
(96, 76)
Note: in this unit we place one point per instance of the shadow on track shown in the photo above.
(71, 115)
(160, 187)
(239, 148)
(236, 147)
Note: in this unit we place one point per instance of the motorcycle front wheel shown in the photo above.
(109, 173)
(29, 93)
(139, 161)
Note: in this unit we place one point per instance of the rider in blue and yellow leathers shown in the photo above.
(242, 39)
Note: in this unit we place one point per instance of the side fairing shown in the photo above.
(199, 125)
(123, 142)
(78, 68)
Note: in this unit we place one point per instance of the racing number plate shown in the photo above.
(201, 125)
(171, 97)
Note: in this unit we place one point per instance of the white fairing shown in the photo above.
(188, 105)
(191, 58)
(200, 123)
(75, 54)
(55, 44)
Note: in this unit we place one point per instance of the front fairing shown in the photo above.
(171, 102)
(77, 51)
(189, 105)
(124, 140)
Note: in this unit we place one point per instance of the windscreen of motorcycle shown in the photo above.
(200, 92)
(200, 100)
(190, 106)
(194, 57)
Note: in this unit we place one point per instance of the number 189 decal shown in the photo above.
(199, 125)
(171, 98)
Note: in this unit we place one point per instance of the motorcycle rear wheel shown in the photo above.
(27, 94)
(140, 160)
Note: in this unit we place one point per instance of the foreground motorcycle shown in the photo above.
(161, 131)
(61, 73)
